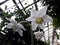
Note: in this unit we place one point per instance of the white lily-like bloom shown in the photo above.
(38, 18)
(16, 26)
(38, 35)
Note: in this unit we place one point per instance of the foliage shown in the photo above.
(56, 23)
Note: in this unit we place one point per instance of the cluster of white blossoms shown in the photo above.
(38, 18)
(38, 35)
(16, 26)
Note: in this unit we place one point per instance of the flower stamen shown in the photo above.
(39, 20)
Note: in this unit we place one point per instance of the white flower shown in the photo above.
(16, 26)
(38, 35)
(38, 18)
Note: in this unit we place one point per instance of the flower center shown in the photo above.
(14, 27)
(39, 20)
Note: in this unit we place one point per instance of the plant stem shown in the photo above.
(32, 40)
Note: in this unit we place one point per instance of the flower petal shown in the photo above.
(30, 19)
(34, 13)
(11, 20)
(34, 26)
(20, 32)
(42, 11)
(10, 25)
(47, 18)
(21, 26)
(41, 26)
